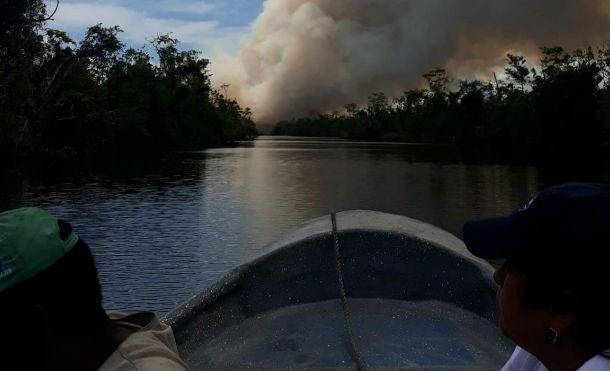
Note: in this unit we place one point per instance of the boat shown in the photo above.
(356, 290)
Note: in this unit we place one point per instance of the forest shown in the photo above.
(58, 95)
(555, 112)
(63, 96)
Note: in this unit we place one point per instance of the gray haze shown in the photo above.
(305, 55)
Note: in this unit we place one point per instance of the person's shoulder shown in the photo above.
(152, 359)
(521, 360)
(146, 350)
(597, 363)
(151, 346)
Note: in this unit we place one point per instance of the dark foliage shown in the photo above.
(57, 95)
(556, 114)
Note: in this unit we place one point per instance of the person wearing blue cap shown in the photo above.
(554, 277)
(51, 306)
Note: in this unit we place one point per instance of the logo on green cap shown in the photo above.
(4, 272)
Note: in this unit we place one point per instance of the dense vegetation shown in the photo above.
(57, 95)
(555, 114)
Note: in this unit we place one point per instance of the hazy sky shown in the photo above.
(207, 25)
(290, 57)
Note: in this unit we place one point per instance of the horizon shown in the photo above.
(289, 59)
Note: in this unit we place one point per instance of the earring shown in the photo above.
(552, 336)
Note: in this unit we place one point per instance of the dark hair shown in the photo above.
(569, 283)
(69, 290)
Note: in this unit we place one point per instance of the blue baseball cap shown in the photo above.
(570, 219)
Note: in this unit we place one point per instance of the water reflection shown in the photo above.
(163, 230)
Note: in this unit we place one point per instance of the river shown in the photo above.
(165, 229)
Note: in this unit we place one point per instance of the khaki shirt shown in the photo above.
(151, 346)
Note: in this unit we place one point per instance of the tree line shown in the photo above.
(557, 113)
(57, 94)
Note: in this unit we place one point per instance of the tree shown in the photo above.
(603, 60)
(101, 49)
(554, 60)
(60, 96)
(351, 110)
(438, 81)
(517, 70)
(167, 50)
(378, 104)
(557, 117)
(21, 52)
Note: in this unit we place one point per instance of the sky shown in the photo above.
(211, 26)
(288, 58)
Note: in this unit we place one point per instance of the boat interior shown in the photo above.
(359, 290)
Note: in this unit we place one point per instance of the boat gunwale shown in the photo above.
(198, 303)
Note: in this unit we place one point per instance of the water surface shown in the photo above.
(163, 230)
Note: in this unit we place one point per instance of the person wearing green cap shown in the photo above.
(51, 306)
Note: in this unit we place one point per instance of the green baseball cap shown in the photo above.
(30, 242)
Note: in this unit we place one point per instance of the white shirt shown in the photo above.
(524, 361)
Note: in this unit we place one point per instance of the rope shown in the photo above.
(355, 352)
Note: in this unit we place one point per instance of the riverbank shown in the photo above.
(62, 161)
(65, 98)
(556, 114)
(67, 163)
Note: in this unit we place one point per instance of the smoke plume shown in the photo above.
(305, 55)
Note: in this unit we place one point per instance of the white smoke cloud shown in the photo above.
(305, 55)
